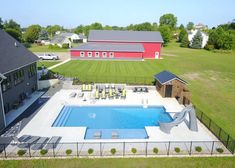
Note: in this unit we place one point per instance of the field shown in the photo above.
(211, 77)
(214, 162)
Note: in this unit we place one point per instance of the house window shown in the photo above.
(104, 54)
(111, 55)
(6, 84)
(97, 54)
(32, 71)
(89, 54)
(18, 76)
(82, 54)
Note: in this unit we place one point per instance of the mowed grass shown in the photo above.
(215, 162)
(211, 77)
(47, 64)
(44, 48)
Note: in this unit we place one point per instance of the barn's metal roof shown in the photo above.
(13, 54)
(110, 47)
(166, 76)
(124, 36)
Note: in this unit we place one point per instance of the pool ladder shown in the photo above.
(144, 103)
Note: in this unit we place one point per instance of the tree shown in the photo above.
(32, 33)
(79, 29)
(185, 42)
(190, 25)
(107, 27)
(181, 27)
(43, 35)
(53, 29)
(168, 19)
(1, 23)
(96, 26)
(14, 33)
(11, 24)
(219, 38)
(197, 40)
(182, 33)
(166, 33)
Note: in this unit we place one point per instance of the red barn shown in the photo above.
(112, 44)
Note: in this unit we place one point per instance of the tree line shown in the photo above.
(220, 37)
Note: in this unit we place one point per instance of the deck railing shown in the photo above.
(119, 149)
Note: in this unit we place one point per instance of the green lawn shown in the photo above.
(46, 63)
(211, 77)
(43, 48)
(215, 162)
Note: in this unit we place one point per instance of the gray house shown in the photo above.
(18, 75)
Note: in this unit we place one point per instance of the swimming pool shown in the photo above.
(123, 119)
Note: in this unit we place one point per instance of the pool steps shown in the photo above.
(62, 117)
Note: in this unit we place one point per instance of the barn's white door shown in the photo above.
(156, 55)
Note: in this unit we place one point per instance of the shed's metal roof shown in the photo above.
(124, 36)
(166, 76)
(13, 55)
(110, 47)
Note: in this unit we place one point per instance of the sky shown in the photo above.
(71, 13)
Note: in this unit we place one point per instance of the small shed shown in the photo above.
(170, 85)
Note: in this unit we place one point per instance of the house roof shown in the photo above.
(66, 34)
(125, 36)
(58, 39)
(13, 54)
(166, 76)
(81, 36)
(92, 46)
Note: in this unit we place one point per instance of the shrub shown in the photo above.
(198, 148)
(220, 150)
(27, 45)
(76, 81)
(53, 46)
(65, 45)
(155, 150)
(113, 151)
(90, 151)
(21, 152)
(68, 152)
(209, 47)
(43, 151)
(177, 149)
(134, 150)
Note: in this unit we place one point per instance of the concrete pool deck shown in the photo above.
(41, 124)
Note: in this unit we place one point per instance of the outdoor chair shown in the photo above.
(40, 143)
(53, 142)
(28, 142)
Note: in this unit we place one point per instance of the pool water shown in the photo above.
(129, 121)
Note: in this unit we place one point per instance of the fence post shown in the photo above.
(123, 149)
(53, 147)
(146, 149)
(29, 150)
(190, 151)
(100, 148)
(227, 141)
(219, 132)
(212, 148)
(77, 150)
(168, 150)
(5, 153)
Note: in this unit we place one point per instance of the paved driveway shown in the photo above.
(62, 55)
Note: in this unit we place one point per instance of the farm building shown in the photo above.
(112, 44)
(170, 85)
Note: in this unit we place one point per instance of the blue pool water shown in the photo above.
(127, 121)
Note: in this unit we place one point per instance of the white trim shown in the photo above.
(3, 111)
(172, 80)
(97, 54)
(104, 54)
(111, 54)
(89, 54)
(156, 55)
(82, 54)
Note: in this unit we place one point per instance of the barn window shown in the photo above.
(89, 54)
(104, 54)
(97, 54)
(82, 54)
(111, 54)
